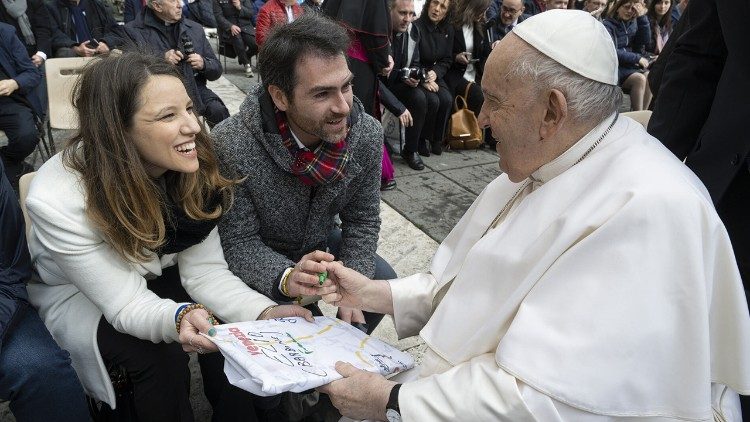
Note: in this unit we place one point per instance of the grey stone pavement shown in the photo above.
(417, 215)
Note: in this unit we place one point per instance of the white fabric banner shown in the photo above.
(269, 357)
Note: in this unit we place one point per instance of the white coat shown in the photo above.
(83, 278)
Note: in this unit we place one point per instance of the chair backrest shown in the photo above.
(23, 190)
(61, 76)
(641, 116)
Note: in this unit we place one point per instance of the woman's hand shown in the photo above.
(462, 58)
(640, 8)
(281, 311)
(193, 323)
(431, 86)
(643, 63)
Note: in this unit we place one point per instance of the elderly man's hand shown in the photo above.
(173, 56)
(37, 60)
(360, 394)
(195, 61)
(7, 87)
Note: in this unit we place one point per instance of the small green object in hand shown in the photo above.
(322, 277)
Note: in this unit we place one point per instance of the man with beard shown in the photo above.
(306, 151)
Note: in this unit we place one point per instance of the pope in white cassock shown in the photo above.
(592, 280)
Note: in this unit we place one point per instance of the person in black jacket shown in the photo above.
(82, 28)
(161, 28)
(235, 21)
(32, 25)
(435, 48)
(35, 374)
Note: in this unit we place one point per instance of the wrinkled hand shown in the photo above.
(82, 50)
(350, 283)
(193, 323)
(195, 61)
(350, 315)
(282, 311)
(406, 119)
(235, 30)
(37, 60)
(431, 86)
(102, 48)
(173, 56)
(360, 394)
(304, 280)
(411, 82)
(462, 58)
(7, 87)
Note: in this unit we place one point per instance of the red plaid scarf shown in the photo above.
(324, 165)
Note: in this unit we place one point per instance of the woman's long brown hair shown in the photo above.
(122, 201)
(466, 12)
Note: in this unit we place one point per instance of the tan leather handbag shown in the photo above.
(463, 129)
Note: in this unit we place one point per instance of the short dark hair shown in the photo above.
(310, 34)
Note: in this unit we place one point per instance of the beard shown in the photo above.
(321, 129)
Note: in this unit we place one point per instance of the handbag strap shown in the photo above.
(466, 92)
(456, 106)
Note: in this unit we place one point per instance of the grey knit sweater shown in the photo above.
(276, 219)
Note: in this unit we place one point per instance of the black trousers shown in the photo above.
(17, 121)
(160, 374)
(439, 106)
(245, 46)
(415, 101)
(215, 111)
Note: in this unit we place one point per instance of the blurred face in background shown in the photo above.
(627, 11)
(402, 14)
(661, 7)
(510, 11)
(593, 5)
(556, 4)
(437, 10)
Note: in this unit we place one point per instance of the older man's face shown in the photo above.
(513, 111)
(510, 11)
(168, 10)
(402, 15)
(556, 4)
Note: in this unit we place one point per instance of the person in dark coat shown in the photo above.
(235, 21)
(435, 56)
(96, 32)
(511, 14)
(701, 111)
(19, 105)
(32, 25)
(629, 27)
(201, 11)
(35, 374)
(161, 28)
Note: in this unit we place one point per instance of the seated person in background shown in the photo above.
(596, 8)
(32, 23)
(628, 25)
(82, 28)
(534, 7)
(235, 21)
(592, 281)
(556, 4)
(201, 11)
(306, 151)
(161, 28)
(19, 105)
(435, 48)
(123, 235)
(35, 374)
(470, 50)
(275, 13)
(312, 5)
(511, 14)
(678, 10)
(660, 18)
(404, 82)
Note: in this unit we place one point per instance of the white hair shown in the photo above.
(588, 100)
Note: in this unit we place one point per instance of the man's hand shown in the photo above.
(173, 56)
(195, 61)
(406, 119)
(37, 60)
(350, 315)
(462, 58)
(102, 48)
(387, 70)
(235, 30)
(7, 87)
(360, 394)
(411, 82)
(281, 311)
(304, 280)
(82, 50)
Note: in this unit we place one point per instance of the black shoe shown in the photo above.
(413, 160)
(423, 150)
(388, 185)
(437, 147)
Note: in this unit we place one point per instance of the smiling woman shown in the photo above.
(123, 233)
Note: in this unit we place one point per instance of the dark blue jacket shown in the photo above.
(201, 11)
(101, 23)
(15, 264)
(16, 64)
(630, 38)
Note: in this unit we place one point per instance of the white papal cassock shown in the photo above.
(607, 287)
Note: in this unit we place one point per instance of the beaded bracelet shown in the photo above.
(184, 309)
